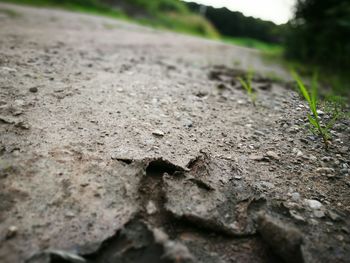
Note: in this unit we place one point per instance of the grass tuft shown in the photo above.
(314, 119)
(247, 85)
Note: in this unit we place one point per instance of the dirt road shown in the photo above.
(121, 143)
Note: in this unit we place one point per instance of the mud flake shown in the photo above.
(201, 197)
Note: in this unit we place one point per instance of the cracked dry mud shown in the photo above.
(121, 143)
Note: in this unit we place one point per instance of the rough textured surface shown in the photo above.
(110, 130)
(210, 196)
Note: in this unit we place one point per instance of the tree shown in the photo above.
(320, 33)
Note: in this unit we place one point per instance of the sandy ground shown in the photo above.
(121, 143)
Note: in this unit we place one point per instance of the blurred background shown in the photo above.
(307, 35)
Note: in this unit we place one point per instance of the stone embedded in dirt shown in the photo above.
(344, 150)
(263, 185)
(257, 157)
(303, 140)
(319, 112)
(241, 102)
(265, 86)
(295, 196)
(22, 125)
(7, 120)
(187, 123)
(8, 70)
(297, 152)
(259, 133)
(16, 111)
(173, 250)
(272, 155)
(214, 75)
(201, 94)
(332, 215)
(58, 90)
(312, 158)
(158, 133)
(296, 215)
(329, 172)
(326, 159)
(33, 89)
(319, 213)
(313, 204)
(151, 208)
(285, 240)
(11, 232)
(221, 86)
(345, 171)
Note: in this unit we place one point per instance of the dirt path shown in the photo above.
(125, 144)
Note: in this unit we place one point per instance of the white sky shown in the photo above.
(278, 11)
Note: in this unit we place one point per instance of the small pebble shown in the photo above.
(319, 112)
(151, 208)
(325, 170)
(313, 204)
(296, 216)
(256, 157)
(344, 150)
(333, 215)
(295, 196)
(326, 159)
(313, 158)
(33, 89)
(158, 133)
(319, 213)
(272, 155)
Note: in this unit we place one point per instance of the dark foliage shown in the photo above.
(235, 24)
(320, 33)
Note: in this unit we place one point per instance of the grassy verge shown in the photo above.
(88, 6)
(331, 82)
(179, 22)
(256, 44)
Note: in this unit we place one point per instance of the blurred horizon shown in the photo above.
(276, 11)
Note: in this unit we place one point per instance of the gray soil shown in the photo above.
(120, 143)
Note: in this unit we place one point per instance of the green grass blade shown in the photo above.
(244, 84)
(302, 87)
(314, 88)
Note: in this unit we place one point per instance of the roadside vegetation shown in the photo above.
(268, 48)
(163, 14)
(236, 25)
(318, 38)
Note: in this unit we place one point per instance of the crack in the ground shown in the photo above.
(194, 214)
